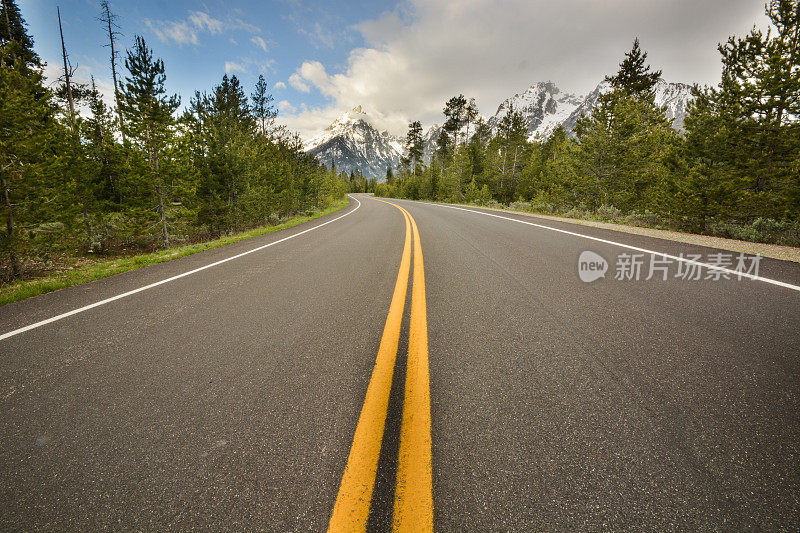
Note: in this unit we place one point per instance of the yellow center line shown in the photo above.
(413, 503)
(351, 510)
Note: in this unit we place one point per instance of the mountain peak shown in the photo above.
(352, 142)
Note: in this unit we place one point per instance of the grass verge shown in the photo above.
(20, 290)
(631, 224)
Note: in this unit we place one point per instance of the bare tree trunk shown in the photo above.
(8, 21)
(16, 268)
(514, 171)
(162, 214)
(161, 209)
(503, 174)
(108, 18)
(8, 30)
(66, 72)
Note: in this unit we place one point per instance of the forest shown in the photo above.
(83, 180)
(733, 172)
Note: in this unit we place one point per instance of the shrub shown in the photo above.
(609, 212)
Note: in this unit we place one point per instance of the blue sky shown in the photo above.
(399, 59)
(201, 41)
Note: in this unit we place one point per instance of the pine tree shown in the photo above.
(226, 129)
(263, 110)
(149, 122)
(455, 117)
(757, 107)
(414, 145)
(13, 31)
(634, 77)
(512, 132)
(470, 114)
(26, 130)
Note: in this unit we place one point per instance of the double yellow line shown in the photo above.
(413, 502)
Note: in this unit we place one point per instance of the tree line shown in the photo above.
(734, 170)
(82, 177)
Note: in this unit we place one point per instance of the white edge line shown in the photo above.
(167, 280)
(675, 257)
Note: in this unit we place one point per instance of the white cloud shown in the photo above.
(320, 36)
(233, 66)
(203, 21)
(83, 75)
(279, 85)
(296, 81)
(429, 50)
(188, 31)
(260, 42)
(285, 107)
(179, 32)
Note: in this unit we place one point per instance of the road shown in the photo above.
(505, 393)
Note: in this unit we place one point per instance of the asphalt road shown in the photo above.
(228, 399)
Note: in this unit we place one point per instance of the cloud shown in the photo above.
(260, 42)
(296, 81)
(319, 36)
(188, 31)
(203, 21)
(233, 66)
(426, 51)
(54, 75)
(285, 107)
(279, 85)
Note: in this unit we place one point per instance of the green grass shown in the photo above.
(25, 289)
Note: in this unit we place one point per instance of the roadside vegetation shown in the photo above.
(83, 183)
(75, 270)
(734, 171)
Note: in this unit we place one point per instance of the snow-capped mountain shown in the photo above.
(543, 106)
(429, 142)
(675, 97)
(352, 142)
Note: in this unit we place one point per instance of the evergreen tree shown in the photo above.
(455, 116)
(634, 77)
(226, 127)
(512, 133)
(149, 121)
(414, 145)
(263, 110)
(14, 32)
(757, 108)
(26, 130)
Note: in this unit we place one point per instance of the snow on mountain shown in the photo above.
(351, 142)
(675, 97)
(429, 142)
(543, 106)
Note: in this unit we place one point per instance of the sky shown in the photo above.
(399, 60)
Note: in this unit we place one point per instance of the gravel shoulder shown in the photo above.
(785, 253)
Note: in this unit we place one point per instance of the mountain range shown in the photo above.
(353, 142)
